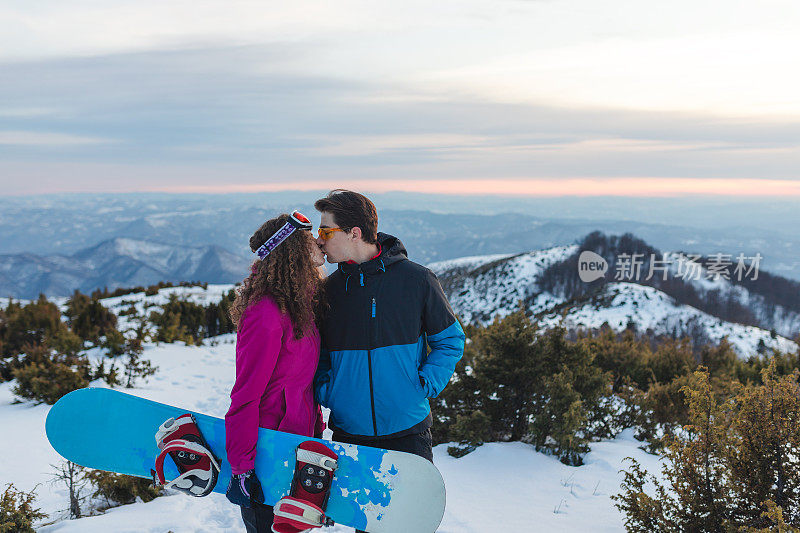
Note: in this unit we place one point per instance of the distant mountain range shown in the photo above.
(36, 228)
(755, 316)
(119, 262)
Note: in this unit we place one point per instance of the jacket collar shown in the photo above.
(392, 251)
(380, 250)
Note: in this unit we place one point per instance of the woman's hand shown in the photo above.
(244, 489)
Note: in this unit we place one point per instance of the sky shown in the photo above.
(523, 97)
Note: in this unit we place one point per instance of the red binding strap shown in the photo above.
(293, 515)
(198, 467)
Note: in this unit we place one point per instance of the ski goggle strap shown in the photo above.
(296, 221)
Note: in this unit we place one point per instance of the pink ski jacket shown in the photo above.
(274, 382)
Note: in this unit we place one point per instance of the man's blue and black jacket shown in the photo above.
(375, 374)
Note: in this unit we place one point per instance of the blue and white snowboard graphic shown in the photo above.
(375, 490)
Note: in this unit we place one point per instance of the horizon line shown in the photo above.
(539, 188)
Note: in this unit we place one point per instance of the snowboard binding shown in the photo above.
(304, 508)
(180, 438)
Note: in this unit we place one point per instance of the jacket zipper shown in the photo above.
(369, 363)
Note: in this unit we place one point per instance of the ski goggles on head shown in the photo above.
(297, 221)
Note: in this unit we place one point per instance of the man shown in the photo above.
(375, 373)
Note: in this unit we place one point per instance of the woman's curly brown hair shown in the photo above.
(287, 274)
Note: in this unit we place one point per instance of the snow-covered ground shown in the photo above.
(500, 486)
(144, 304)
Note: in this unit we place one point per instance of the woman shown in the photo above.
(277, 351)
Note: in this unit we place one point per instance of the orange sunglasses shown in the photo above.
(326, 233)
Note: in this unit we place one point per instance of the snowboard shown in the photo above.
(375, 490)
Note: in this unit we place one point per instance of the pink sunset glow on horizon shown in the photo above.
(633, 187)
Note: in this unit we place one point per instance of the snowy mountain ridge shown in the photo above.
(482, 288)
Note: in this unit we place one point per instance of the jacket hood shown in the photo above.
(392, 251)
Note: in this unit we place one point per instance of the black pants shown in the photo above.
(258, 519)
(419, 444)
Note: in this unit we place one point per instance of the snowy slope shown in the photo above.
(784, 321)
(145, 304)
(650, 309)
(481, 288)
(500, 485)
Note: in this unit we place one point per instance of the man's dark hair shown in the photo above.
(351, 210)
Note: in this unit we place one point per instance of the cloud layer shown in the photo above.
(149, 95)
